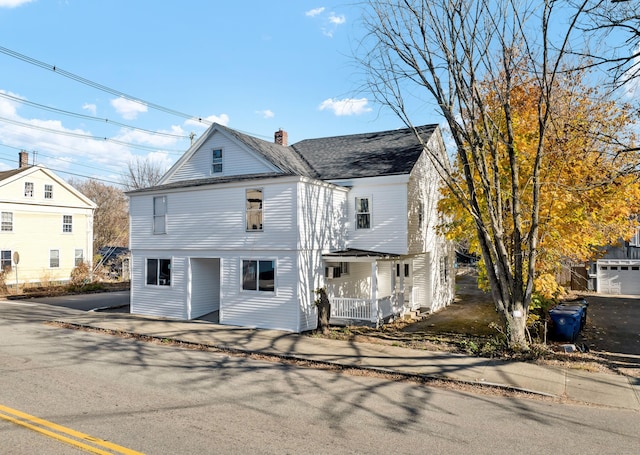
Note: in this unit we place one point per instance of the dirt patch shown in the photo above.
(471, 326)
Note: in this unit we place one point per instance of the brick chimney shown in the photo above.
(23, 159)
(281, 137)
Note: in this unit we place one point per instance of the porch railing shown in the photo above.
(366, 309)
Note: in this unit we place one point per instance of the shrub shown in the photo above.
(80, 275)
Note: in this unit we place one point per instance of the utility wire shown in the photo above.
(56, 158)
(98, 86)
(87, 136)
(60, 171)
(88, 117)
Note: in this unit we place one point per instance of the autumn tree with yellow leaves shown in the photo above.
(543, 166)
(590, 193)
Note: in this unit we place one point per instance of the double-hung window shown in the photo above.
(254, 210)
(28, 189)
(160, 215)
(67, 223)
(79, 257)
(635, 240)
(48, 191)
(363, 213)
(7, 222)
(159, 272)
(5, 261)
(54, 259)
(258, 275)
(216, 164)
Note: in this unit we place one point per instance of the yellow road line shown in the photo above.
(29, 421)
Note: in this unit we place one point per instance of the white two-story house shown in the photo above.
(250, 229)
(46, 225)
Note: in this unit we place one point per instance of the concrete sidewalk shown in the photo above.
(592, 388)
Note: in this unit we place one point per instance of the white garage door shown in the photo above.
(619, 279)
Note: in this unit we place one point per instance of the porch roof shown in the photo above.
(353, 255)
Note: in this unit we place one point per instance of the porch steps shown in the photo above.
(417, 315)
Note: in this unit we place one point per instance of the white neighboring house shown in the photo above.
(250, 229)
(45, 223)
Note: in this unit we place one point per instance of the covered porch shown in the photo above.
(367, 287)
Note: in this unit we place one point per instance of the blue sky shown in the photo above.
(255, 66)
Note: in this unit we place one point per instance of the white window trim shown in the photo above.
(356, 213)
(12, 223)
(75, 257)
(246, 210)
(10, 261)
(67, 224)
(163, 216)
(257, 291)
(31, 191)
(158, 258)
(45, 190)
(59, 258)
(635, 240)
(214, 162)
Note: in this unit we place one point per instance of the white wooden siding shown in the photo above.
(214, 218)
(321, 216)
(273, 310)
(236, 160)
(423, 187)
(388, 202)
(167, 301)
(357, 284)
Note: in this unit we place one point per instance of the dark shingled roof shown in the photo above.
(12, 172)
(279, 155)
(340, 157)
(364, 155)
(209, 181)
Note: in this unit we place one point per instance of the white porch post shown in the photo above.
(374, 291)
(401, 290)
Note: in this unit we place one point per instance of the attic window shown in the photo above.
(48, 191)
(216, 164)
(28, 189)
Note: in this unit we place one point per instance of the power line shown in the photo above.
(88, 117)
(98, 86)
(60, 171)
(56, 158)
(147, 148)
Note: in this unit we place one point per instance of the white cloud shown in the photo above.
(267, 114)
(337, 20)
(92, 108)
(222, 119)
(330, 21)
(347, 106)
(312, 12)
(13, 3)
(128, 109)
(8, 106)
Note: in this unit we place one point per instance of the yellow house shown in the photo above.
(46, 225)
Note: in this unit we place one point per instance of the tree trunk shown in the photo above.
(324, 311)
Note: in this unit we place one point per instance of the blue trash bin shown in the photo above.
(566, 322)
(576, 304)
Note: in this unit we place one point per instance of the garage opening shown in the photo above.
(204, 289)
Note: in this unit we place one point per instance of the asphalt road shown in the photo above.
(161, 399)
(86, 302)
